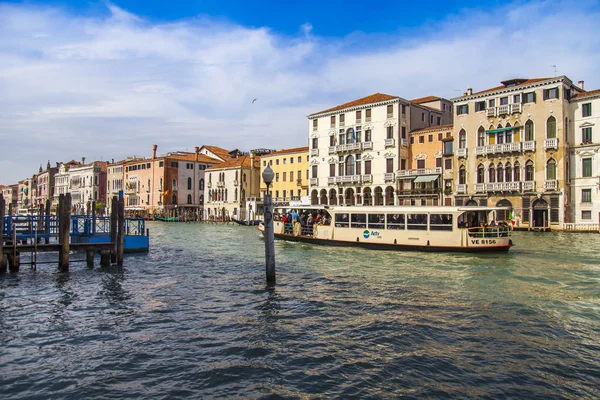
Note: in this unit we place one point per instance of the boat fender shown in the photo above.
(357, 238)
(428, 243)
(395, 241)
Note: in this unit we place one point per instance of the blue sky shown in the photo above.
(106, 80)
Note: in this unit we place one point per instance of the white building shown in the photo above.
(87, 184)
(358, 149)
(62, 181)
(585, 160)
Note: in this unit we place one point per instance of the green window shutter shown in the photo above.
(534, 97)
(558, 93)
(545, 94)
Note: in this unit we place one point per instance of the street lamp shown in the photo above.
(268, 232)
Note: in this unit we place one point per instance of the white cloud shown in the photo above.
(110, 86)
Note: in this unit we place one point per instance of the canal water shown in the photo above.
(194, 319)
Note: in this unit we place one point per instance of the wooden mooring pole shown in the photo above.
(2, 256)
(121, 232)
(47, 223)
(64, 231)
(114, 216)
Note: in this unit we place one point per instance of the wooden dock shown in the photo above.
(65, 230)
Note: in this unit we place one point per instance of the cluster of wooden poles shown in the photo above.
(110, 253)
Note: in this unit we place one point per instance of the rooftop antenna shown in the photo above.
(554, 66)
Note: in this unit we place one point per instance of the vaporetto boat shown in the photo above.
(437, 228)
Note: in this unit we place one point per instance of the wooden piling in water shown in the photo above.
(121, 232)
(105, 256)
(47, 223)
(114, 216)
(14, 259)
(2, 257)
(64, 229)
(93, 227)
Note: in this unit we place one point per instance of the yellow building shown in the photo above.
(291, 174)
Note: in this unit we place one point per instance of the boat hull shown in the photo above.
(393, 247)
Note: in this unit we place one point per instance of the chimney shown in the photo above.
(82, 160)
(581, 85)
(154, 147)
(469, 91)
(197, 151)
(48, 165)
(112, 161)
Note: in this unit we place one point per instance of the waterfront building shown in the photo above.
(585, 159)
(45, 183)
(11, 196)
(358, 150)
(229, 184)
(291, 175)
(421, 183)
(87, 183)
(27, 194)
(114, 181)
(511, 149)
(62, 184)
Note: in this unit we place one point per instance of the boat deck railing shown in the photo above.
(489, 232)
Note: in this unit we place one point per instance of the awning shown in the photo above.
(510, 128)
(426, 178)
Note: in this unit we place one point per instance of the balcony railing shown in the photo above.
(516, 108)
(332, 149)
(332, 180)
(461, 188)
(529, 145)
(419, 192)
(551, 185)
(461, 152)
(220, 184)
(419, 171)
(389, 142)
(367, 145)
(404, 142)
(480, 151)
(551, 143)
(528, 186)
(509, 147)
(491, 112)
(298, 182)
(314, 152)
(314, 181)
(480, 188)
(367, 178)
(388, 177)
(503, 109)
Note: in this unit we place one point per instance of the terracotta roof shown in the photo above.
(585, 94)
(374, 98)
(224, 154)
(434, 128)
(287, 151)
(526, 82)
(425, 99)
(192, 157)
(241, 161)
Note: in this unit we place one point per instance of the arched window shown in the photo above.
(189, 199)
(174, 184)
(462, 175)
(209, 178)
(529, 133)
(148, 184)
(529, 171)
(244, 179)
(462, 139)
(517, 172)
(500, 173)
(507, 172)
(516, 132)
(349, 165)
(508, 136)
(350, 137)
(225, 194)
(201, 184)
(236, 175)
(551, 170)
(480, 174)
(551, 128)
(174, 199)
(566, 128)
(235, 194)
(492, 174)
(481, 136)
(160, 187)
(189, 183)
(500, 135)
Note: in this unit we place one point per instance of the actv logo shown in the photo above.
(366, 234)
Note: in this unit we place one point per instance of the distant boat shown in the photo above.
(167, 219)
(252, 222)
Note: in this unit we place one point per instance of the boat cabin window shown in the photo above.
(358, 221)
(395, 221)
(376, 221)
(440, 222)
(417, 222)
(341, 220)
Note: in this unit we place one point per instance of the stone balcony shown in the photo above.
(390, 142)
(551, 185)
(461, 188)
(314, 152)
(461, 152)
(551, 144)
(419, 171)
